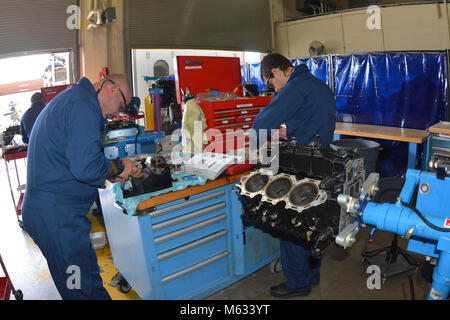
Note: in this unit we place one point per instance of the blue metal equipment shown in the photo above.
(426, 225)
(124, 138)
(127, 142)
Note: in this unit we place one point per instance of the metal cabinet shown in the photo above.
(436, 142)
(188, 248)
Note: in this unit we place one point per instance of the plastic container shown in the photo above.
(98, 240)
(149, 114)
(368, 149)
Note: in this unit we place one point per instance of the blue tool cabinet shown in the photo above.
(187, 248)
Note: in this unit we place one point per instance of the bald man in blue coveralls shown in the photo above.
(307, 106)
(65, 168)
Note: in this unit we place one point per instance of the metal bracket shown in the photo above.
(370, 187)
(347, 237)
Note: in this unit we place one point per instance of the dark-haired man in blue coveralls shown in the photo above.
(307, 106)
(65, 168)
(29, 117)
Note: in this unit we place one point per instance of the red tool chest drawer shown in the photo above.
(246, 118)
(222, 121)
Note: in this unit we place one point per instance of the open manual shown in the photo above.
(209, 164)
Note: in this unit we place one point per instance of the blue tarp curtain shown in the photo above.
(318, 67)
(255, 76)
(391, 89)
(244, 74)
(407, 90)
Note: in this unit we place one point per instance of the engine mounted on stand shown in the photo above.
(299, 202)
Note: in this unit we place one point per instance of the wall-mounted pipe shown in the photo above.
(447, 18)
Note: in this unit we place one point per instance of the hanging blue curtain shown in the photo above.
(244, 74)
(318, 67)
(255, 76)
(407, 90)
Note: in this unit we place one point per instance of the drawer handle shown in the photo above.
(186, 204)
(197, 266)
(441, 138)
(441, 149)
(189, 229)
(186, 217)
(192, 245)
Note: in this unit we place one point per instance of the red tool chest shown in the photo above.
(50, 92)
(220, 74)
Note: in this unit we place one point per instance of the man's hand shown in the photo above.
(282, 133)
(130, 170)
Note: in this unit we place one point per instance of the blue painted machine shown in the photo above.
(129, 140)
(426, 225)
(124, 138)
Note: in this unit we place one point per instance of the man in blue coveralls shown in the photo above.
(65, 168)
(306, 105)
(29, 117)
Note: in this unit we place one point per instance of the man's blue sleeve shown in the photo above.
(282, 108)
(87, 163)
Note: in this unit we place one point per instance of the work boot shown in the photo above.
(283, 292)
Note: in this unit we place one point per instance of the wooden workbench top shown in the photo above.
(443, 127)
(175, 195)
(381, 132)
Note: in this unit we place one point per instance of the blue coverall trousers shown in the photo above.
(60, 227)
(300, 269)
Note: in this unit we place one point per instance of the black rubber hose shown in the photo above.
(428, 223)
(390, 189)
(135, 139)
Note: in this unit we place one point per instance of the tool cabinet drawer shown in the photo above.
(235, 126)
(192, 232)
(440, 143)
(220, 121)
(197, 278)
(250, 111)
(192, 253)
(246, 118)
(178, 208)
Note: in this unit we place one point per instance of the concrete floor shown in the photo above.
(343, 276)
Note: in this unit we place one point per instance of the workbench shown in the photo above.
(186, 244)
(413, 137)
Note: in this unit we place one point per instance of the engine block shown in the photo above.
(299, 202)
